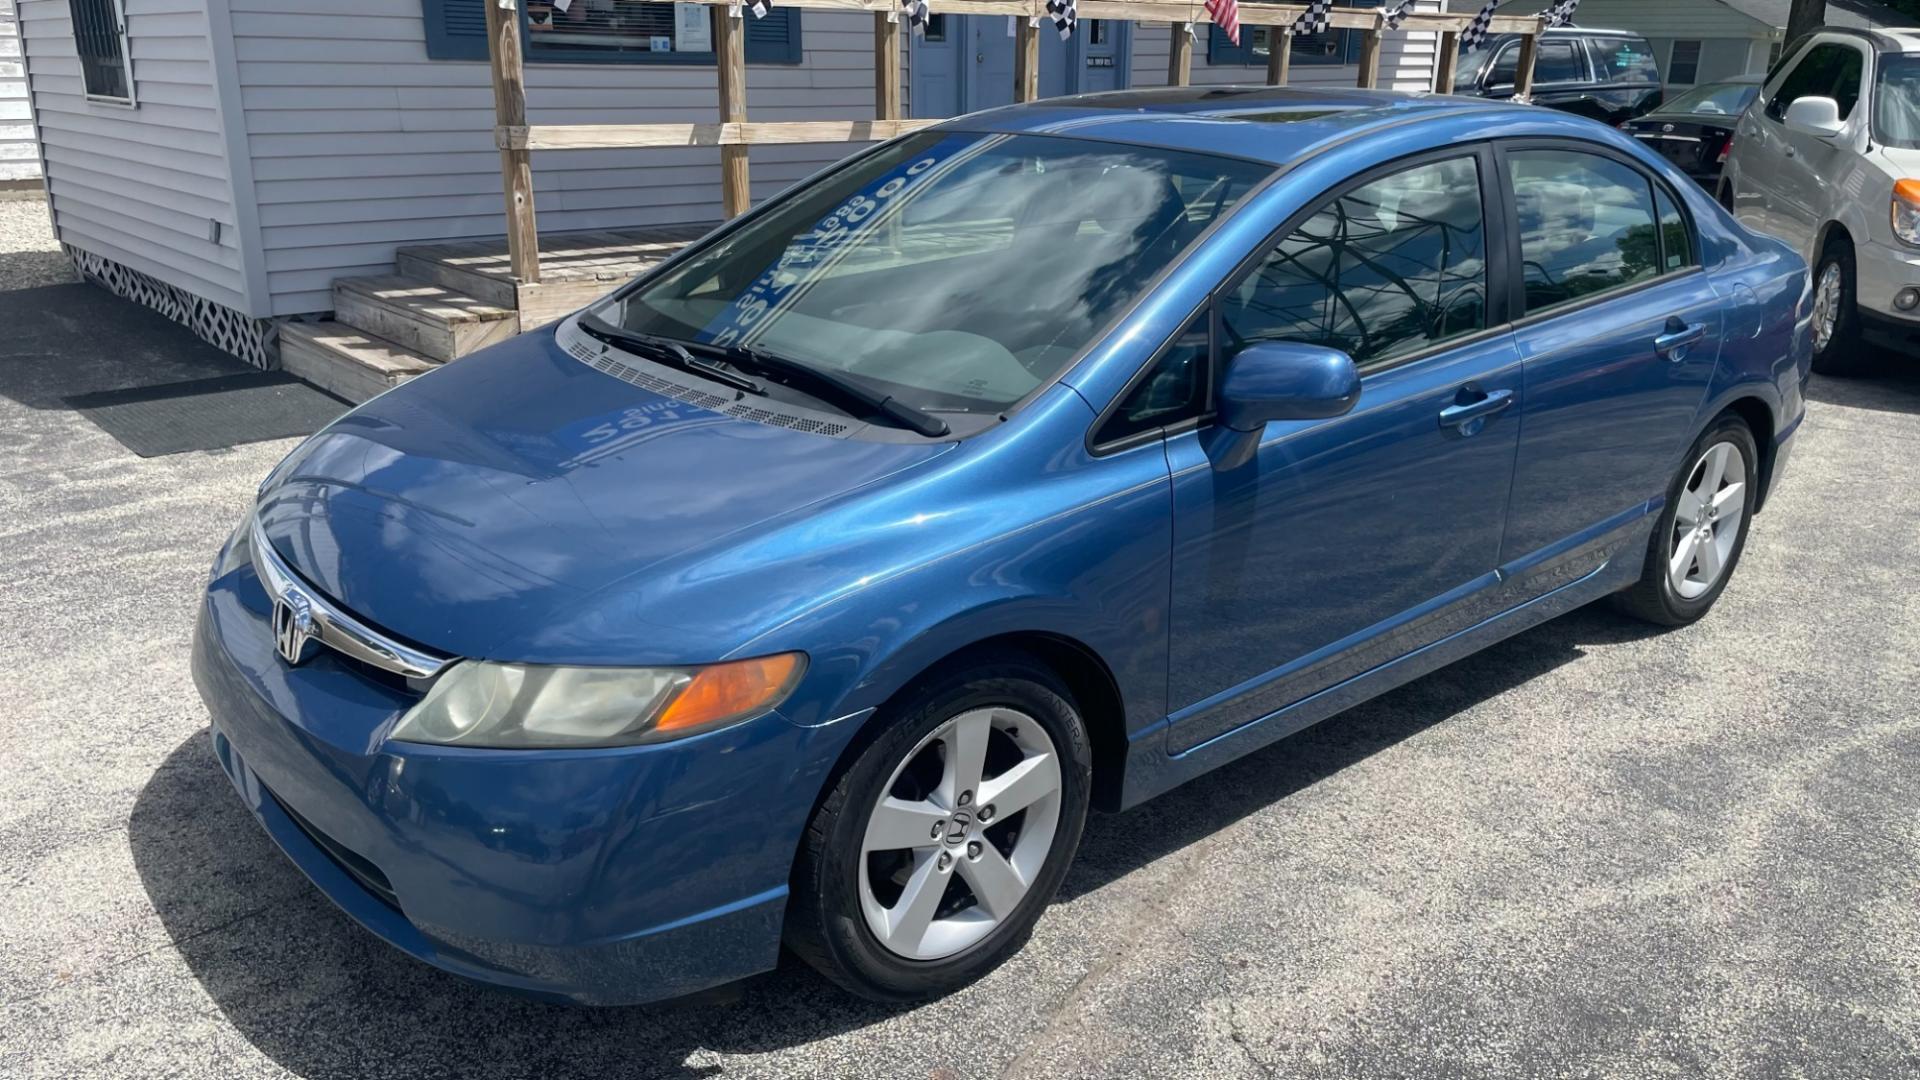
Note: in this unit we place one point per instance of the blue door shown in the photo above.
(964, 63)
(1620, 344)
(1344, 544)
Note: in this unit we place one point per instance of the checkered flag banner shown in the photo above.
(1560, 12)
(1399, 12)
(917, 15)
(1226, 15)
(1313, 20)
(1476, 31)
(1065, 14)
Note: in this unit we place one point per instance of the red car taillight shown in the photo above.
(1725, 149)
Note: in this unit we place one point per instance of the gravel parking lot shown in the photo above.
(1594, 850)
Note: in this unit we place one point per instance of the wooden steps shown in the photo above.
(347, 362)
(447, 300)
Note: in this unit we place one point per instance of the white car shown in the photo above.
(1822, 159)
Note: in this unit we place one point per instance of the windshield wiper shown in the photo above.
(667, 351)
(773, 365)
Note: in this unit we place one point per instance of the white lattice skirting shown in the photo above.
(221, 326)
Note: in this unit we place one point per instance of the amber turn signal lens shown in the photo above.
(733, 691)
(1908, 190)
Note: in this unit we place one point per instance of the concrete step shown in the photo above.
(346, 362)
(426, 317)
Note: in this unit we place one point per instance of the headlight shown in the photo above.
(524, 706)
(1906, 211)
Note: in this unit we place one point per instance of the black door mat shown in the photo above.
(208, 414)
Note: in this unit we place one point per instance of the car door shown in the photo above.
(1342, 544)
(1797, 190)
(1561, 79)
(1618, 331)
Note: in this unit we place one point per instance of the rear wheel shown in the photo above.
(1836, 317)
(936, 852)
(1701, 533)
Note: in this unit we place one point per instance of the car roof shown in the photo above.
(1273, 124)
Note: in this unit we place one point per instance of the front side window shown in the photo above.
(1384, 270)
(1829, 70)
(958, 271)
(100, 38)
(1896, 100)
(1174, 390)
(1586, 225)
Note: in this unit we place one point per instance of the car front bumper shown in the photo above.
(603, 877)
(1880, 272)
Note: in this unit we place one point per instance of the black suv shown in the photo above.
(1608, 75)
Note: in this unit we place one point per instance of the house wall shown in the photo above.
(360, 143)
(145, 186)
(19, 151)
(1406, 60)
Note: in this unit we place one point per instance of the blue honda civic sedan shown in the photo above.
(811, 589)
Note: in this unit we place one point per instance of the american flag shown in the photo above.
(1226, 15)
(1476, 31)
(1560, 12)
(1313, 20)
(1064, 16)
(1399, 12)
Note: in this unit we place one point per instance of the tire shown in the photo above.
(842, 888)
(1676, 598)
(1842, 352)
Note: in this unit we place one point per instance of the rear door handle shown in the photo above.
(1679, 337)
(1472, 407)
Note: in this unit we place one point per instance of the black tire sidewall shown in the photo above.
(1726, 429)
(865, 965)
(1841, 352)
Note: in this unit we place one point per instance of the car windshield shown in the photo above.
(956, 270)
(1713, 99)
(1896, 101)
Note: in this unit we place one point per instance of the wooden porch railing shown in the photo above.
(733, 134)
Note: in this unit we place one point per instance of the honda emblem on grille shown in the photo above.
(292, 626)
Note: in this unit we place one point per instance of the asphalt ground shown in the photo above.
(1593, 850)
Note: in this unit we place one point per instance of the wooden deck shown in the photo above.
(575, 268)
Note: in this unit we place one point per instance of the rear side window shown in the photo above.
(1383, 270)
(1827, 70)
(1676, 240)
(1557, 63)
(1624, 60)
(1586, 225)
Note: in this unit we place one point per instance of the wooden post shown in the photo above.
(1448, 60)
(516, 166)
(1370, 57)
(1026, 60)
(730, 53)
(1279, 54)
(886, 66)
(1180, 56)
(1523, 75)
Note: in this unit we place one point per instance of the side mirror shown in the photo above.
(1286, 380)
(1815, 116)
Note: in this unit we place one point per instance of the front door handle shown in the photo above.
(1679, 338)
(1472, 407)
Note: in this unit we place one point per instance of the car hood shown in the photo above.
(462, 509)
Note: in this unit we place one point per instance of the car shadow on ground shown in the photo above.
(1888, 382)
(325, 999)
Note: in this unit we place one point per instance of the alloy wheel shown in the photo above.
(960, 833)
(1706, 521)
(1826, 305)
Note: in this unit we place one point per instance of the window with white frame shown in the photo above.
(100, 38)
(1683, 63)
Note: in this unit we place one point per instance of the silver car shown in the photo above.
(1821, 159)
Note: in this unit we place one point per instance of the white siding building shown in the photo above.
(19, 153)
(230, 161)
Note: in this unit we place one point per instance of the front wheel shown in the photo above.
(1836, 316)
(930, 860)
(1701, 533)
